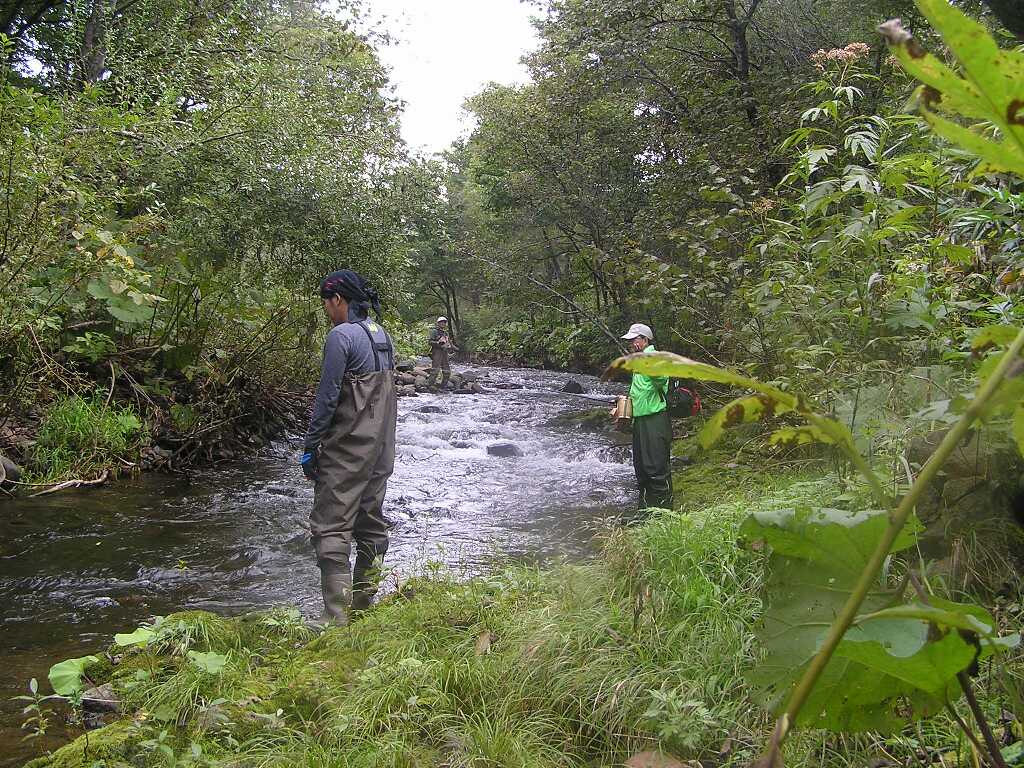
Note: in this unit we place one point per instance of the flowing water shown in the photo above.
(77, 567)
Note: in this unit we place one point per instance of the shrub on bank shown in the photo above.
(79, 435)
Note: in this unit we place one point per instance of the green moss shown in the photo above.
(591, 420)
(111, 743)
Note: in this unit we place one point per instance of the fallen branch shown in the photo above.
(72, 484)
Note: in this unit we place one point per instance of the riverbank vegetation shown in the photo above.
(748, 180)
(176, 178)
(645, 650)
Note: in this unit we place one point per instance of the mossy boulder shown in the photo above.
(105, 746)
(590, 420)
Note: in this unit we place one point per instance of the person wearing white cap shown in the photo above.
(652, 427)
(440, 345)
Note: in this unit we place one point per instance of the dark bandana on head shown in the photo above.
(352, 287)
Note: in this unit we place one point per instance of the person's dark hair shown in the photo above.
(352, 287)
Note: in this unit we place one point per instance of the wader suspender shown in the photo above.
(378, 347)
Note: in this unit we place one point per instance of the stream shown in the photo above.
(79, 566)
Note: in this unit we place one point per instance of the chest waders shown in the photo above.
(439, 363)
(357, 456)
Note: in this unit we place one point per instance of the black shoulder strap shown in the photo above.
(379, 346)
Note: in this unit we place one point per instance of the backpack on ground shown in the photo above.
(682, 399)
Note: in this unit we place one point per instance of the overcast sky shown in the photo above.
(446, 51)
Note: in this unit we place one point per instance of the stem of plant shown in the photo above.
(986, 731)
(897, 519)
(964, 727)
(860, 463)
(995, 755)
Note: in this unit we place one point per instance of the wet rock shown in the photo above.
(101, 699)
(405, 378)
(590, 420)
(507, 385)
(504, 450)
(460, 444)
(11, 472)
(405, 366)
(419, 370)
(573, 387)
(104, 602)
(420, 381)
(430, 409)
(465, 391)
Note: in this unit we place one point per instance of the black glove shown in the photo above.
(310, 464)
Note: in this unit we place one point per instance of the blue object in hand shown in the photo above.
(309, 465)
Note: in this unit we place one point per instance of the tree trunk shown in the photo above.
(741, 58)
(93, 59)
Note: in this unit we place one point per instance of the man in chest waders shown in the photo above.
(652, 427)
(440, 341)
(349, 452)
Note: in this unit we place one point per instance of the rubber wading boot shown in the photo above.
(361, 600)
(336, 584)
(365, 575)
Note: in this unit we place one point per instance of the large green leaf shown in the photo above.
(66, 677)
(1000, 156)
(141, 637)
(965, 618)
(669, 364)
(998, 75)
(817, 556)
(992, 90)
(211, 663)
(994, 336)
(804, 435)
(833, 538)
(899, 660)
(741, 411)
(128, 311)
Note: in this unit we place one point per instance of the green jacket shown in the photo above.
(648, 393)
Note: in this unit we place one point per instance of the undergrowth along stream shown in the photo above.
(644, 648)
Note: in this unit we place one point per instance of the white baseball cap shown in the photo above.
(442, 319)
(639, 329)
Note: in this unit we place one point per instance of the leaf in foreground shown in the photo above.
(66, 677)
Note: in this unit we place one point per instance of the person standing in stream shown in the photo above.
(349, 450)
(440, 341)
(652, 427)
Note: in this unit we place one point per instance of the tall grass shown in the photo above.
(79, 435)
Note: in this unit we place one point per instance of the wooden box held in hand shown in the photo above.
(623, 407)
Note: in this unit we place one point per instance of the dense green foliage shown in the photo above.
(742, 177)
(176, 179)
(846, 648)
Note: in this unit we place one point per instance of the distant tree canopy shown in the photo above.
(660, 153)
